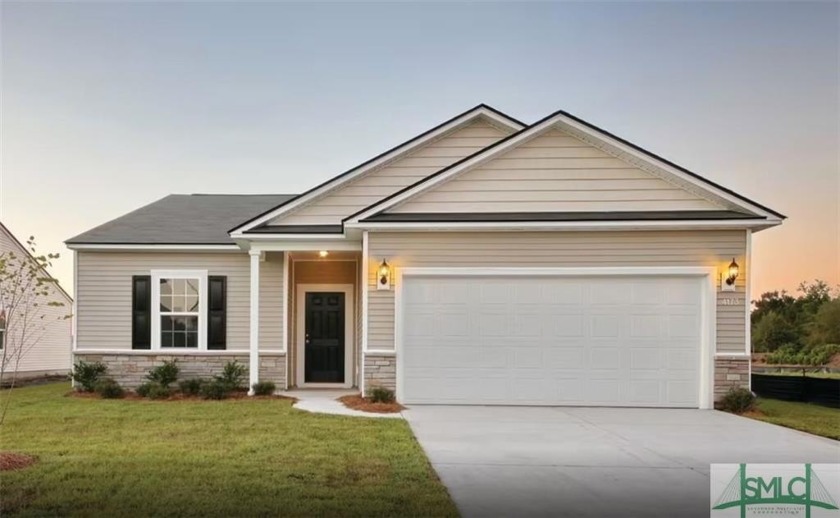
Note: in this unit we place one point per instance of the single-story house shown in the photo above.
(35, 332)
(484, 261)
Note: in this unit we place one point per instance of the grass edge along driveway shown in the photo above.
(805, 417)
(209, 458)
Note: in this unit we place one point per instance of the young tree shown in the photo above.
(825, 329)
(26, 291)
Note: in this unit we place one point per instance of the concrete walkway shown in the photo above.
(324, 401)
(594, 462)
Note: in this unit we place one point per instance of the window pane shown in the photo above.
(192, 339)
(180, 323)
(166, 303)
(166, 323)
(192, 303)
(166, 339)
(178, 303)
(165, 287)
(180, 339)
(191, 287)
(178, 286)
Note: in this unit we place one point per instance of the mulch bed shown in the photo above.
(10, 460)
(176, 396)
(357, 402)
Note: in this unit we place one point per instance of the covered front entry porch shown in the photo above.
(321, 312)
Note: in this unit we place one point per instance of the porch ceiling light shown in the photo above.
(323, 253)
(733, 272)
(383, 276)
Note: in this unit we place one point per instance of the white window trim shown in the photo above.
(201, 275)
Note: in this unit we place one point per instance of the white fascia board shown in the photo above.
(306, 245)
(156, 248)
(384, 159)
(288, 237)
(754, 224)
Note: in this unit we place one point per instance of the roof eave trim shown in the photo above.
(511, 141)
(292, 236)
(26, 251)
(382, 158)
(754, 224)
(152, 246)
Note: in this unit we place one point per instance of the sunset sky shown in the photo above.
(107, 107)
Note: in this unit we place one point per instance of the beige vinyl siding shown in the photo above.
(104, 295)
(47, 350)
(554, 172)
(559, 249)
(373, 186)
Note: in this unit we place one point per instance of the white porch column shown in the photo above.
(254, 367)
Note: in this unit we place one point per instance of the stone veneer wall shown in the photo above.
(731, 372)
(130, 369)
(380, 369)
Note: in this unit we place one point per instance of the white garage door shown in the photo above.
(523, 340)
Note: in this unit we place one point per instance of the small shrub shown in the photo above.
(154, 390)
(232, 375)
(158, 391)
(264, 388)
(738, 401)
(191, 387)
(143, 389)
(87, 374)
(165, 374)
(816, 355)
(216, 389)
(380, 394)
(108, 388)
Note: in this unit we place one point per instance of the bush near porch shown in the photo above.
(253, 457)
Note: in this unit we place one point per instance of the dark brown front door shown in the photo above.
(324, 347)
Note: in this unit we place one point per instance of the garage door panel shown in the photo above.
(683, 326)
(568, 294)
(565, 358)
(610, 295)
(551, 340)
(603, 391)
(682, 294)
(648, 293)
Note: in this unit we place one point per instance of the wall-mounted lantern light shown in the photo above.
(383, 276)
(728, 283)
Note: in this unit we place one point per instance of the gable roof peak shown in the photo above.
(496, 116)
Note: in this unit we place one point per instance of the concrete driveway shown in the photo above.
(528, 461)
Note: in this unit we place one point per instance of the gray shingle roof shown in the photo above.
(191, 219)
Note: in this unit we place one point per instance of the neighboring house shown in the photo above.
(484, 261)
(43, 347)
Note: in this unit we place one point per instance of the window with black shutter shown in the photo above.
(141, 312)
(217, 312)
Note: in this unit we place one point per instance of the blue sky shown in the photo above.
(108, 106)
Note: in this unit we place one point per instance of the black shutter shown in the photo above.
(141, 312)
(217, 312)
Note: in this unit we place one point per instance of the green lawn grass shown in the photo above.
(815, 419)
(209, 458)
